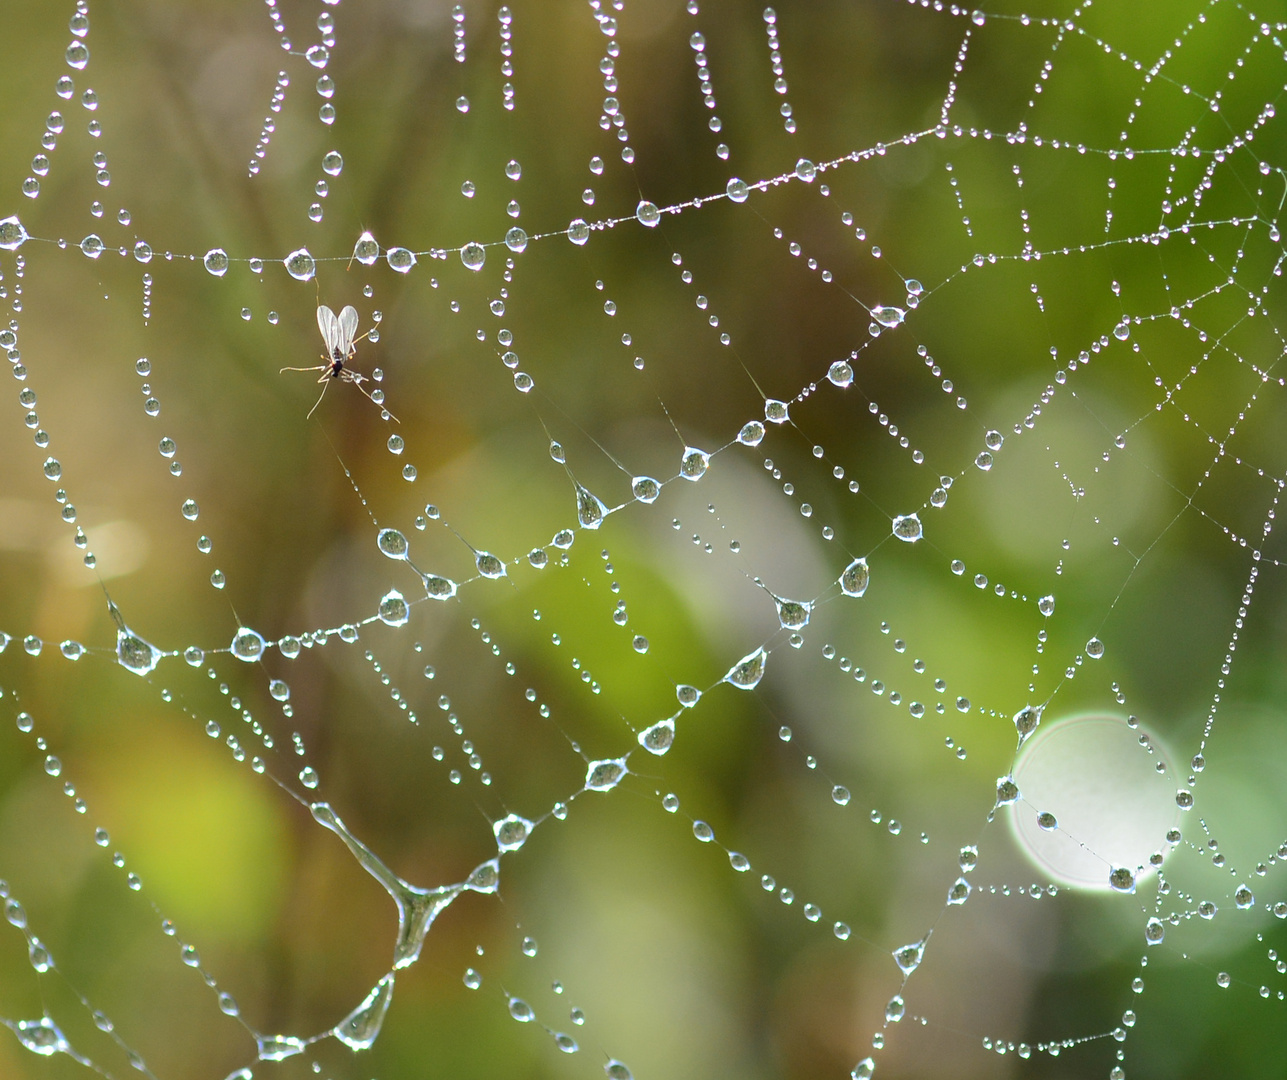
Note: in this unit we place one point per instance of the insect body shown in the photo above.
(337, 334)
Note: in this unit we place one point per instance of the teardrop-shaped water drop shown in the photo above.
(747, 672)
(590, 510)
(366, 250)
(854, 580)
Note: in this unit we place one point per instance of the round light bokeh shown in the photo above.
(1101, 782)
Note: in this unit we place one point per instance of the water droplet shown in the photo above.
(279, 690)
(645, 489)
(279, 1047)
(366, 250)
(77, 55)
(73, 650)
(216, 261)
(688, 695)
(1243, 898)
(794, 614)
(907, 527)
(438, 588)
(658, 738)
(308, 777)
(511, 832)
(1121, 879)
(895, 1009)
(840, 795)
(694, 463)
(393, 610)
(806, 170)
(908, 957)
(1046, 605)
(300, 265)
(1122, 330)
(605, 775)
(41, 1036)
(752, 433)
(1047, 822)
(565, 1043)
(841, 373)
(247, 645)
(983, 462)
(578, 231)
(143, 252)
(1154, 931)
(332, 163)
(53, 468)
(317, 55)
(748, 671)
(1095, 648)
(959, 892)
(473, 255)
(617, 1070)
(1026, 721)
(590, 510)
(92, 246)
(489, 566)
(12, 233)
(133, 653)
(400, 259)
(1007, 791)
(854, 580)
(737, 190)
(887, 316)
(392, 543)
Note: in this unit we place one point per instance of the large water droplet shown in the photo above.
(473, 255)
(247, 645)
(516, 240)
(907, 527)
(752, 433)
(887, 316)
(279, 1047)
(605, 775)
(490, 566)
(77, 55)
(578, 231)
(366, 250)
(794, 614)
(511, 832)
(908, 957)
(133, 653)
(392, 543)
(694, 463)
(747, 672)
(92, 246)
(300, 265)
(737, 190)
(1026, 721)
(358, 1030)
(645, 489)
(806, 170)
(658, 738)
(400, 259)
(590, 510)
(854, 580)
(393, 610)
(648, 214)
(216, 261)
(41, 1037)
(438, 588)
(332, 163)
(12, 233)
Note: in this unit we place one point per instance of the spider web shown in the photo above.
(817, 612)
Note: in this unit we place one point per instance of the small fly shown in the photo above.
(337, 334)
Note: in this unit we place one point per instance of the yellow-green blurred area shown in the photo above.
(1045, 240)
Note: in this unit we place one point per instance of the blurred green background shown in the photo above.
(1098, 164)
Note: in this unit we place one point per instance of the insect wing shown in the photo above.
(329, 325)
(348, 328)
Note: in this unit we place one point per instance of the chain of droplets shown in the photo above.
(612, 115)
(43, 1036)
(697, 41)
(506, 19)
(775, 59)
